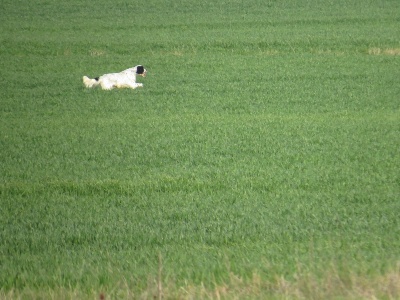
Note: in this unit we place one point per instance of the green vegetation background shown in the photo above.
(265, 139)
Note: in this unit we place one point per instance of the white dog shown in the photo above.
(124, 79)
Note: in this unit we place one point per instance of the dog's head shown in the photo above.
(140, 70)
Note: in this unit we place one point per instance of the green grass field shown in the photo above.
(260, 160)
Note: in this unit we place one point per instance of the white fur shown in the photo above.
(124, 79)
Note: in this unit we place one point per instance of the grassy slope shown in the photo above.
(266, 138)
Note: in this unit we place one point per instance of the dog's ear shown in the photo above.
(139, 70)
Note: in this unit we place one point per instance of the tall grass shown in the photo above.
(260, 160)
(332, 284)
